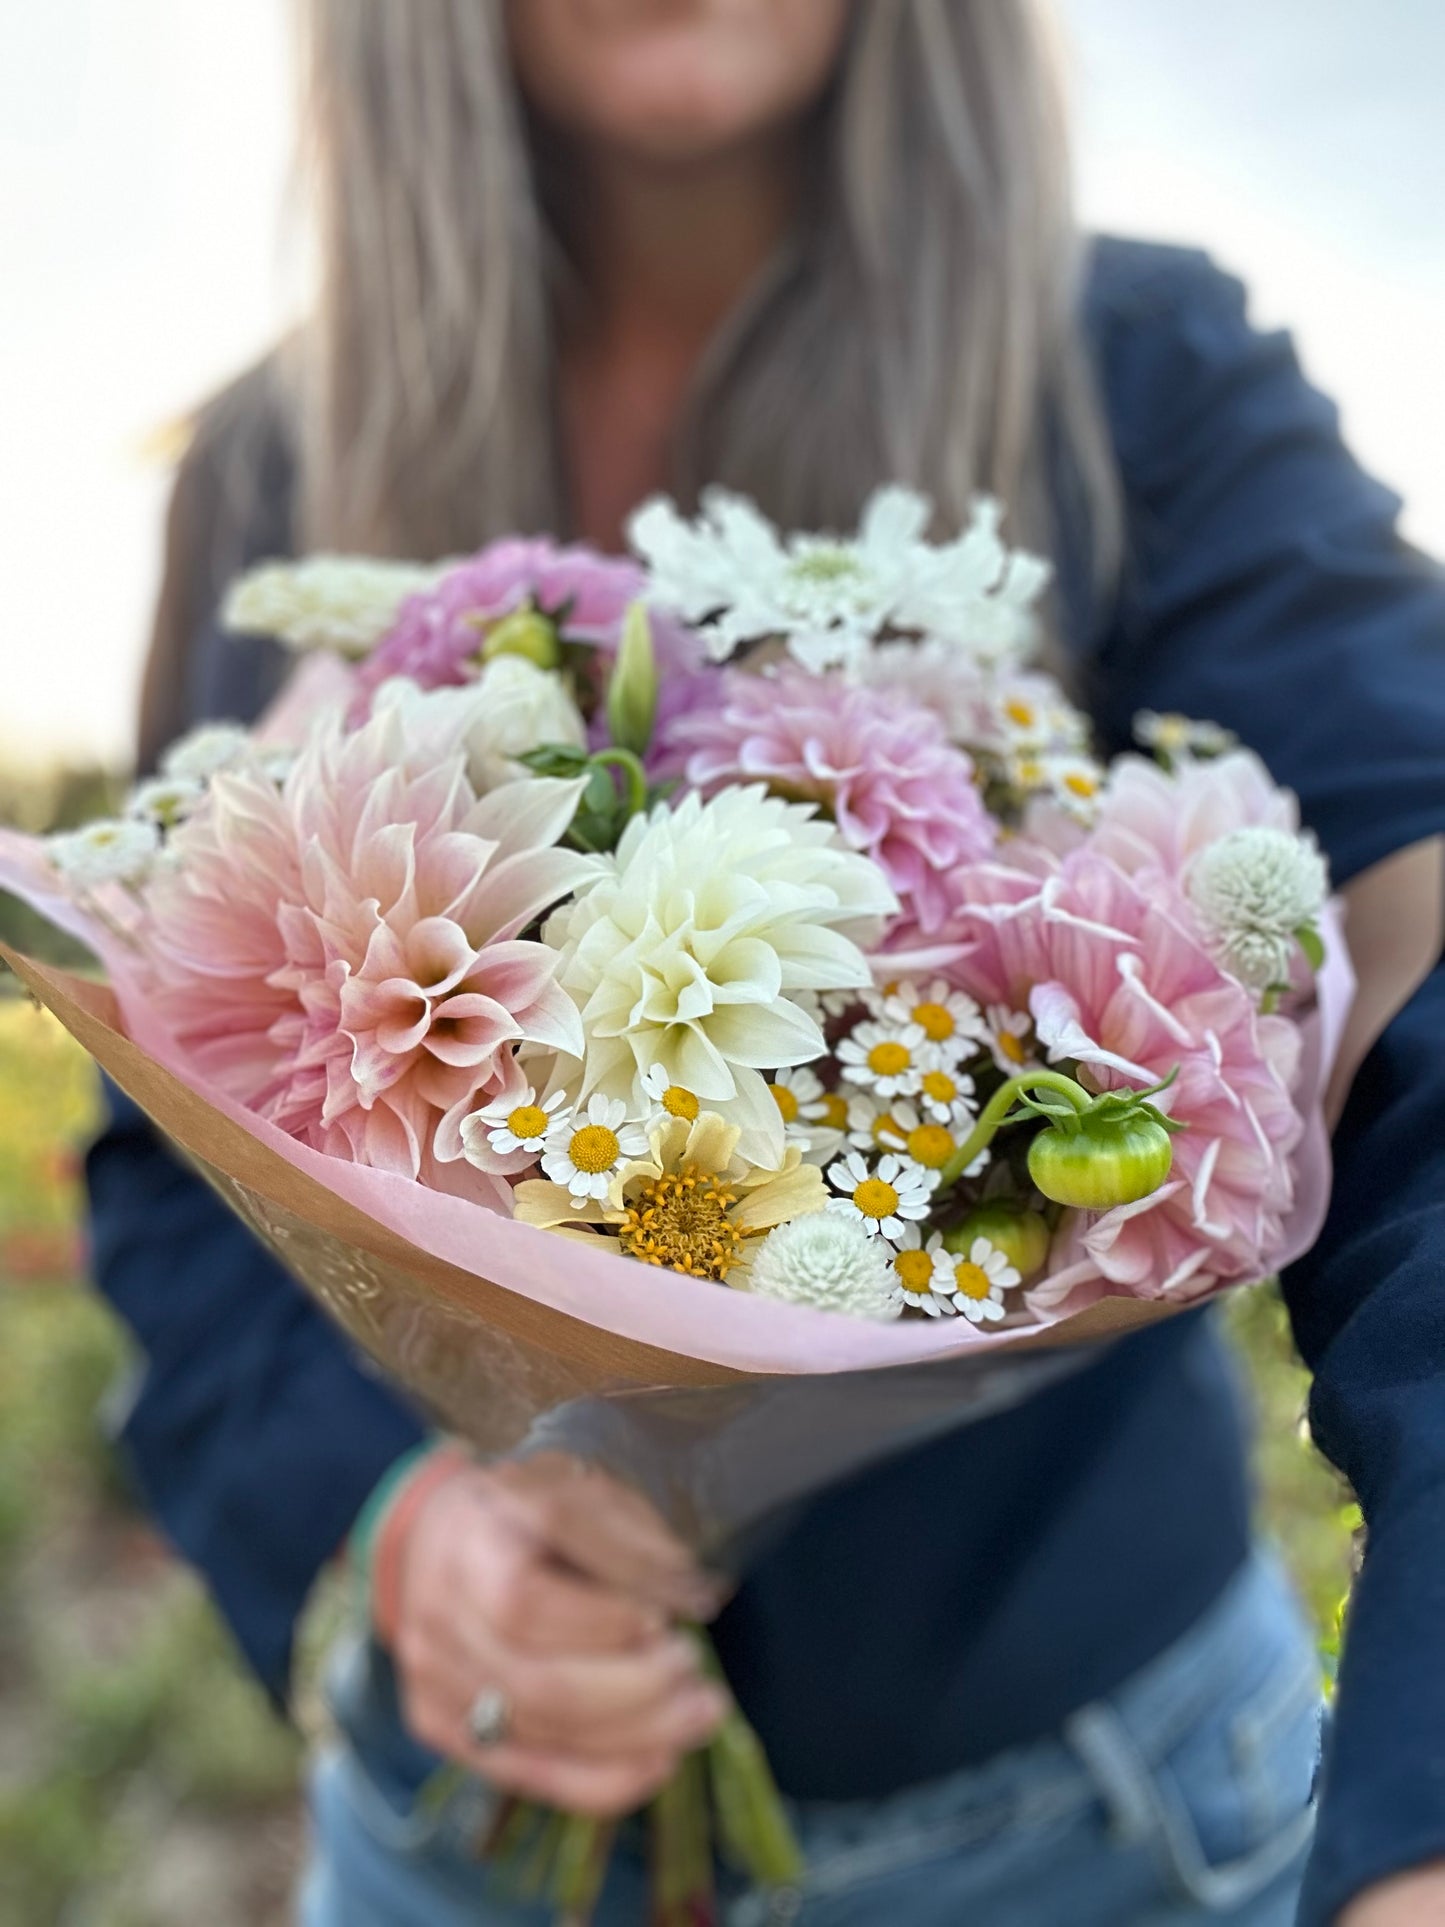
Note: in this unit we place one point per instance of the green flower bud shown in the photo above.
(1020, 1234)
(526, 632)
(1106, 1158)
(632, 688)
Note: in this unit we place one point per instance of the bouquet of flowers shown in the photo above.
(714, 1012)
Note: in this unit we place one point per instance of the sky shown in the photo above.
(144, 161)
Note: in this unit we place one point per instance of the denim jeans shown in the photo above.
(1184, 1797)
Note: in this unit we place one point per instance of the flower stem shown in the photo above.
(995, 1112)
(634, 776)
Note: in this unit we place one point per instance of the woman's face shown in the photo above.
(673, 80)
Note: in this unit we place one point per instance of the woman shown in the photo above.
(576, 250)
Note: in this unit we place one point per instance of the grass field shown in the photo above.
(144, 1781)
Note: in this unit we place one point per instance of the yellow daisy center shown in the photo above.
(889, 1059)
(1011, 1046)
(887, 1132)
(939, 1086)
(681, 1220)
(1081, 783)
(528, 1120)
(937, 1021)
(786, 1102)
(1029, 775)
(972, 1280)
(835, 1111)
(1020, 712)
(915, 1271)
(679, 1103)
(931, 1146)
(594, 1148)
(876, 1198)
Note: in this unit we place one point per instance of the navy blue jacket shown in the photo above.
(997, 1579)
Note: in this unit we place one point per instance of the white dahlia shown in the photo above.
(691, 947)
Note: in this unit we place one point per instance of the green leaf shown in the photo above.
(1312, 944)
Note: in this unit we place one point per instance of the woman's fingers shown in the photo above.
(595, 1789)
(607, 1530)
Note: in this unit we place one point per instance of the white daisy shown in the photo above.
(830, 1262)
(114, 850)
(920, 1139)
(870, 1123)
(731, 575)
(924, 1273)
(584, 1152)
(672, 1100)
(514, 1124)
(1076, 784)
(946, 1095)
(883, 1195)
(1010, 1034)
(166, 800)
(981, 1276)
(950, 1019)
(1174, 735)
(886, 1056)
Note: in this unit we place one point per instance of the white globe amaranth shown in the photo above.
(1252, 891)
(829, 1262)
(341, 602)
(698, 944)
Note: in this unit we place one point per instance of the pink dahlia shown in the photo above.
(1152, 822)
(1119, 983)
(438, 632)
(880, 764)
(342, 954)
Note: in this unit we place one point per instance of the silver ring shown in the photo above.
(489, 1717)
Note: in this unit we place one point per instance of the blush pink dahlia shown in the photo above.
(897, 789)
(342, 954)
(1120, 984)
(1153, 822)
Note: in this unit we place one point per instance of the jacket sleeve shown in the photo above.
(254, 1431)
(1268, 589)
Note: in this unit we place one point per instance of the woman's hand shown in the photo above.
(1410, 1900)
(557, 1586)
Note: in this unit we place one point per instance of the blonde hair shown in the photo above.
(922, 331)
(923, 327)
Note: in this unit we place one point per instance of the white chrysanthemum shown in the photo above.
(793, 1088)
(1253, 891)
(732, 575)
(884, 1195)
(584, 1153)
(687, 949)
(981, 1276)
(830, 1262)
(1176, 735)
(166, 800)
(887, 1056)
(950, 1019)
(976, 594)
(115, 850)
(341, 602)
(515, 1125)
(924, 1273)
(207, 751)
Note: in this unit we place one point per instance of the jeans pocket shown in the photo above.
(1227, 1795)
